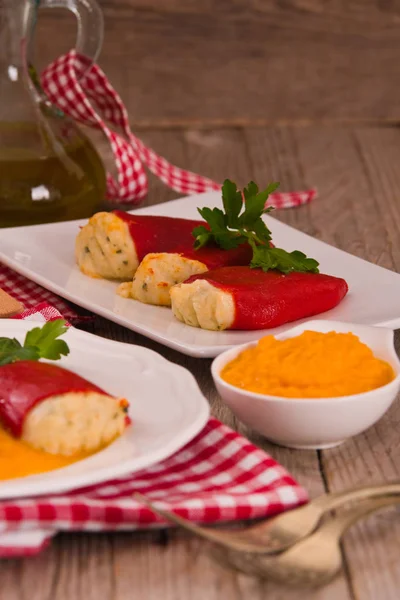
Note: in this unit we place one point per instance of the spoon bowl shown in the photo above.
(311, 562)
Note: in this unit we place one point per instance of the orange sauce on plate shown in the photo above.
(18, 459)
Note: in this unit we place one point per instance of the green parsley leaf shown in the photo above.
(251, 191)
(11, 352)
(40, 342)
(218, 223)
(203, 236)
(45, 339)
(255, 203)
(262, 232)
(229, 229)
(242, 223)
(9, 345)
(215, 217)
(286, 262)
(232, 201)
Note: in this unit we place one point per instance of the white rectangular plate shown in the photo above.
(45, 254)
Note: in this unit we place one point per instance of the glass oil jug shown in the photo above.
(49, 170)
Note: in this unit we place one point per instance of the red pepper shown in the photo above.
(264, 300)
(26, 383)
(169, 234)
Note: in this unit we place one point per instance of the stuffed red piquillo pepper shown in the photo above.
(245, 298)
(56, 410)
(112, 245)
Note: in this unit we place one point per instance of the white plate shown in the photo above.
(45, 253)
(166, 407)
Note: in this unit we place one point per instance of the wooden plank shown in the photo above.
(377, 150)
(351, 211)
(185, 569)
(363, 10)
(219, 62)
(358, 209)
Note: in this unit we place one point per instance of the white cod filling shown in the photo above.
(200, 304)
(104, 248)
(156, 274)
(74, 423)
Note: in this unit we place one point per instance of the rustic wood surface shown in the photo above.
(209, 62)
(252, 89)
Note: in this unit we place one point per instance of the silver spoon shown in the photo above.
(278, 533)
(311, 562)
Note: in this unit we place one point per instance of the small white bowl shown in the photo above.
(313, 423)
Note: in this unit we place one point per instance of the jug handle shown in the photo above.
(90, 24)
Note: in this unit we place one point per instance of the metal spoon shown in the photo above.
(313, 561)
(281, 532)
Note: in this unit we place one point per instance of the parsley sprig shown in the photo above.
(241, 222)
(40, 342)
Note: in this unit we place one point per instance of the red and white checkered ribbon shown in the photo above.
(82, 91)
(30, 294)
(218, 476)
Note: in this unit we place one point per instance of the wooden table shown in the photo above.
(303, 92)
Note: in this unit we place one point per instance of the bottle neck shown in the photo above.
(17, 18)
(17, 91)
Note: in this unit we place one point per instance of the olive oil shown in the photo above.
(49, 171)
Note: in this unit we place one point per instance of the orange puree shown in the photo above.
(17, 459)
(311, 365)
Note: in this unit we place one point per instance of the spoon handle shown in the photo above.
(339, 524)
(333, 500)
(209, 534)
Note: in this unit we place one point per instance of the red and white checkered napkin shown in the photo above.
(30, 294)
(81, 90)
(218, 476)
